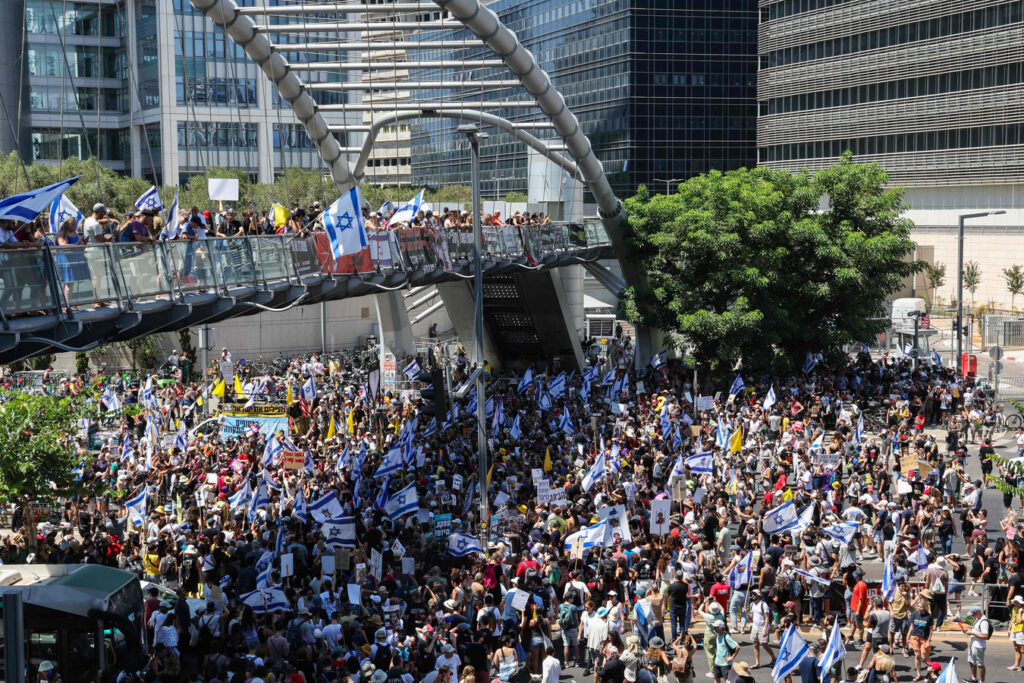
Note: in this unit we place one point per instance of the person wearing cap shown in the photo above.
(448, 657)
(761, 627)
(858, 607)
(726, 650)
(98, 227)
(980, 631)
(1017, 631)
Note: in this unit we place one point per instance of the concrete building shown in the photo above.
(931, 89)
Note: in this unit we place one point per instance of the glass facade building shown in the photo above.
(664, 89)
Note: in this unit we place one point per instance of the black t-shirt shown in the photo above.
(678, 594)
(476, 654)
(645, 570)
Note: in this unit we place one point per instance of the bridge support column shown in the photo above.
(458, 301)
(393, 320)
(568, 285)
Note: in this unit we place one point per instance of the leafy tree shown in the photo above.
(972, 278)
(515, 197)
(936, 274)
(1014, 276)
(767, 265)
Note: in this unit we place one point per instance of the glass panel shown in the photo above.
(192, 264)
(86, 273)
(143, 274)
(270, 258)
(24, 287)
(233, 261)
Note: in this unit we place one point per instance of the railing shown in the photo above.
(53, 279)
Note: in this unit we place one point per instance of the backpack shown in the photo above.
(294, 633)
(382, 659)
(567, 619)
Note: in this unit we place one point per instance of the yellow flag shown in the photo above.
(731, 487)
(219, 390)
(239, 392)
(281, 215)
(736, 441)
(177, 506)
(199, 399)
(787, 495)
(489, 473)
(351, 421)
(331, 431)
(547, 460)
(290, 401)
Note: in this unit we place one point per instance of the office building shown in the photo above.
(664, 89)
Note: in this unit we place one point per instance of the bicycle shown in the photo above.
(1011, 422)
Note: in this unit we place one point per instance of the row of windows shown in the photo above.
(208, 45)
(392, 161)
(989, 17)
(983, 136)
(73, 18)
(55, 98)
(206, 135)
(292, 135)
(236, 92)
(788, 8)
(1003, 74)
(50, 144)
(83, 61)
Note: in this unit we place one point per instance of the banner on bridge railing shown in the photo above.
(346, 265)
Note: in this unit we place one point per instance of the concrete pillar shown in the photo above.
(565, 303)
(14, 84)
(572, 283)
(458, 301)
(393, 321)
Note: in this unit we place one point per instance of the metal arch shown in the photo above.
(479, 116)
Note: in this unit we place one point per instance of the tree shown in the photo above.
(936, 274)
(972, 278)
(767, 265)
(514, 197)
(1014, 276)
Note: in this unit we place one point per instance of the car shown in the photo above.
(196, 606)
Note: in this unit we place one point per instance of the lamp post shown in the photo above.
(668, 182)
(472, 132)
(958, 361)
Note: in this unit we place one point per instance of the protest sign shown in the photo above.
(660, 512)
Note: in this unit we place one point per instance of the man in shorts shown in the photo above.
(877, 622)
(761, 616)
(899, 611)
(981, 631)
(726, 650)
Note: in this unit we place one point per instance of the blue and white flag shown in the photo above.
(345, 459)
(61, 210)
(343, 223)
(889, 579)
(614, 463)
(545, 401)
(595, 472)
(920, 558)
(361, 456)
(127, 449)
(136, 507)
(393, 462)
(792, 649)
(516, 432)
(737, 386)
(307, 464)
(408, 210)
(299, 509)
(325, 507)
(678, 470)
(499, 419)
(412, 370)
(181, 438)
(677, 439)
(171, 225)
(592, 535)
(565, 421)
(659, 359)
(908, 349)
(769, 399)
(813, 577)
(818, 443)
(309, 390)
(386, 207)
(111, 399)
(403, 502)
(340, 531)
(266, 600)
(148, 398)
(810, 361)
(805, 520)
(241, 497)
(722, 435)
(948, 674)
(702, 463)
(609, 379)
(273, 449)
(842, 532)
(263, 578)
(556, 387)
(26, 206)
(643, 614)
(381, 501)
(834, 651)
(780, 518)
(150, 201)
(526, 382)
(743, 572)
(936, 359)
(858, 432)
(260, 500)
(460, 545)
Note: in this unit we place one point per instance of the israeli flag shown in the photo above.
(270, 482)
(526, 382)
(813, 577)
(792, 649)
(620, 386)
(61, 210)
(148, 399)
(936, 359)
(408, 210)
(842, 532)
(489, 407)
(805, 520)
(643, 614)
(678, 471)
(769, 400)
(722, 435)
(741, 574)
(834, 651)
(412, 370)
(112, 400)
(344, 460)
(556, 387)
(702, 463)
(402, 503)
(181, 438)
(150, 201)
(516, 432)
(340, 531)
(948, 674)
(241, 497)
(299, 509)
(263, 578)
(460, 545)
(659, 359)
(355, 490)
(908, 349)
(272, 450)
(499, 419)
(171, 225)
(565, 422)
(361, 457)
(343, 223)
(26, 206)
(309, 390)
(393, 462)
(780, 518)
(545, 401)
(266, 600)
(595, 472)
(127, 450)
(614, 459)
(308, 464)
(810, 361)
(592, 536)
(609, 379)
(858, 433)
(431, 427)
(136, 507)
(819, 443)
(666, 423)
(920, 558)
(677, 439)
(385, 208)
(889, 579)
(737, 386)
(325, 507)
(381, 501)
(260, 500)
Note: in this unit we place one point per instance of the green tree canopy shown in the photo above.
(767, 265)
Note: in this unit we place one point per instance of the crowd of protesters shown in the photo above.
(391, 574)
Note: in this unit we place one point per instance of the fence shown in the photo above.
(1002, 330)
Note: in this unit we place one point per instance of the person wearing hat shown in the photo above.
(597, 633)
(742, 670)
(761, 627)
(1017, 631)
(858, 607)
(726, 650)
(448, 657)
(981, 632)
(47, 671)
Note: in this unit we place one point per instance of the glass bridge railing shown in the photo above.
(53, 279)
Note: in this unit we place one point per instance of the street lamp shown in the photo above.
(960, 282)
(472, 132)
(668, 182)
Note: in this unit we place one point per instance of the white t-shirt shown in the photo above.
(759, 612)
(980, 627)
(452, 661)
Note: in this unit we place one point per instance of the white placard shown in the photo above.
(398, 549)
(211, 478)
(640, 388)
(327, 565)
(224, 189)
(520, 600)
(660, 512)
(354, 594)
(376, 564)
(618, 523)
(705, 403)
(500, 499)
(456, 482)
(537, 473)
(287, 565)
(408, 566)
(551, 496)
(829, 461)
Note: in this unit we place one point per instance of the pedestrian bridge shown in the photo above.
(71, 298)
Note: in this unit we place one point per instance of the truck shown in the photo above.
(902, 321)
